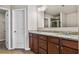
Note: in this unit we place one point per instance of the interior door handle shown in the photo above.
(15, 31)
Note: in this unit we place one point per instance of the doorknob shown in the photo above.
(15, 31)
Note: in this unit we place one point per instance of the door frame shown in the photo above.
(9, 26)
(24, 26)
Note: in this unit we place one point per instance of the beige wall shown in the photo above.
(63, 20)
(2, 28)
(40, 19)
(32, 17)
(18, 6)
(5, 6)
(72, 19)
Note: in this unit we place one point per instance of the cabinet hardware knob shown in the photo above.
(61, 47)
(57, 46)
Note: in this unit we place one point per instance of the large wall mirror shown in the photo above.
(50, 16)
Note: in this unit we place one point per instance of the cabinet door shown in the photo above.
(70, 43)
(53, 39)
(66, 50)
(43, 44)
(53, 48)
(35, 44)
(42, 51)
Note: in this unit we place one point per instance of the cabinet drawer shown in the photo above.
(41, 51)
(42, 37)
(70, 43)
(43, 44)
(66, 50)
(53, 48)
(53, 40)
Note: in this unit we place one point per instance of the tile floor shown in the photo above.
(5, 51)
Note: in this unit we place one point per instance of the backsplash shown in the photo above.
(66, 29)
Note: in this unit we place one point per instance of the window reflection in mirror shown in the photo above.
(53, 21)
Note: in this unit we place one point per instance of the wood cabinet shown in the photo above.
(70, 43)
(53, 45)
(69, 46)
(43, 44)
(33, 42)
(53, 39)
(35, 45)
(43, 37)
(42, 51)
(53, 48)
(67, 50)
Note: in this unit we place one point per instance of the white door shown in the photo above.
(19, 28)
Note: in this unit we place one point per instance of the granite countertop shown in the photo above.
(71, 35)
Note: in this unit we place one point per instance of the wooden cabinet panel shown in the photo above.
(53, 48)
(70, 43)
(53, 40)
(33, 42)
(35, 45)
(42, 51)
(43, 44)
(66, 50)
(42, 37)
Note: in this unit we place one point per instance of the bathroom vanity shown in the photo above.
(51, 43)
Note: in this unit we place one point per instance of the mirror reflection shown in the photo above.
(57, 16)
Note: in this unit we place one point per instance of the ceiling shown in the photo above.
(56, 9)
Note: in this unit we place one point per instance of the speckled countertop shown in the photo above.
(72, 35)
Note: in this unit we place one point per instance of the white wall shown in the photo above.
(5, 6)
(63, 19)
(18, 6)
(40, 19)
(32, 17)
(78, 16)
(72, 20)
(2, 26)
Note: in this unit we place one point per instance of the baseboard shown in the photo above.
(27, 48)
(10, 48)
(17, 48)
